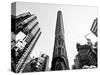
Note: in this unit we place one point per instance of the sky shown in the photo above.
(77, 23)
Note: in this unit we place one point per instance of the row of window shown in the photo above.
(59, 51)
(60, 42)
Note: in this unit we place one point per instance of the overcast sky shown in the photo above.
(77, 23)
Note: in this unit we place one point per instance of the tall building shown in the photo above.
(94, 27)
(26, 32)
(87, 53)
(59, 60)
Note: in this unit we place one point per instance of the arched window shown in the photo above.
(59, 65)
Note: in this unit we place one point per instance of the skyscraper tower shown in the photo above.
(59, 60)
(26, 32)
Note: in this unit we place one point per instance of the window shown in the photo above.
(59, 42)
(62, 42)
(59, 50)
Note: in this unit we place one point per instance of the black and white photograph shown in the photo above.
(53, 37)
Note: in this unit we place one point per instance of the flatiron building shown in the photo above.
(59, 60)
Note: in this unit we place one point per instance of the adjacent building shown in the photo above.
(87, 53)
(27, 32)
(94, 27)
(87, 56)
(37, 64)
